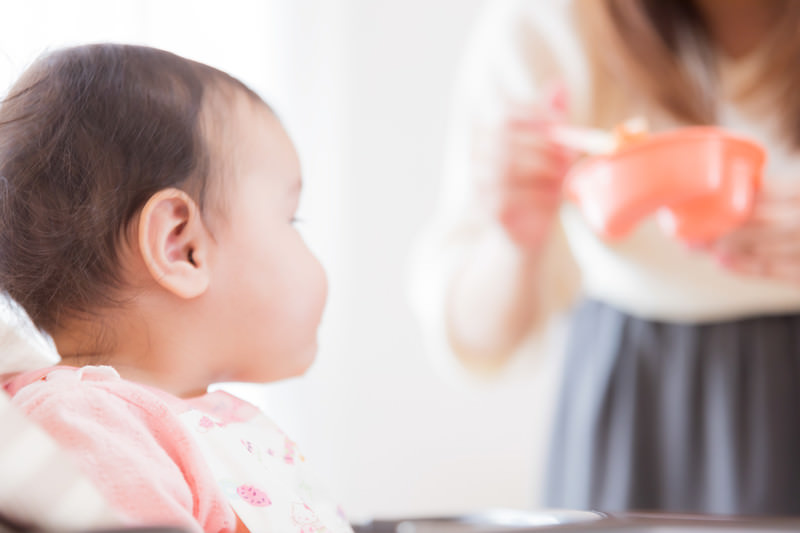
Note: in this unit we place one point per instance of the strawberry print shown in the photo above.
(206, 423)
(253, 495)
(247, 445)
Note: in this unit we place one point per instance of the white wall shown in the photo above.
(391, 434)
(363, 87)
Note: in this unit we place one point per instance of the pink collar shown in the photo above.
(12, 383)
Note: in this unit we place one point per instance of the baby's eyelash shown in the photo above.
(296, 220)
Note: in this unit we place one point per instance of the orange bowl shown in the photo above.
(702, 182)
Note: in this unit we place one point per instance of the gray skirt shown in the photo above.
(675, 417)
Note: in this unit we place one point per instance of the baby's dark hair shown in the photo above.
(87, 136)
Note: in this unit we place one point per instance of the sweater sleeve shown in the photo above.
(131, 445)
(518, 49)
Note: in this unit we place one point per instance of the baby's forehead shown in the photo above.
(229, 100)
(229, 117)
(244, 137)
(236, 104)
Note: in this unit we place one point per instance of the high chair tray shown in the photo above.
(566, 521)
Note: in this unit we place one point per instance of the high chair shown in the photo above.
(40, 488)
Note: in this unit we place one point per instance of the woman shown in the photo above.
(682, 371)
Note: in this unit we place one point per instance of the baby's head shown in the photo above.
(146, 219)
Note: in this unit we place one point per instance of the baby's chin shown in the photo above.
(306, 358)
(290, 366)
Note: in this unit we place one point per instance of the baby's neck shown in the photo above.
(137, 353)
(136, 374)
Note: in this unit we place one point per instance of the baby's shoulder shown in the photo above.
(98, 390)
(121, 430)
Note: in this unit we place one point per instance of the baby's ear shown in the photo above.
(173, 242)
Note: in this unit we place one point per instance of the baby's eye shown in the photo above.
(296, 220)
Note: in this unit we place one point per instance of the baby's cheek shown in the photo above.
(310, 291)
(322, 286)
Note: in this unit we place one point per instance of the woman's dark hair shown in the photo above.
(87, 135)
(664, 49)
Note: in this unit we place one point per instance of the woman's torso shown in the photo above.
(648, 273)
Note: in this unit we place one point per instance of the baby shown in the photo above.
(147, 205)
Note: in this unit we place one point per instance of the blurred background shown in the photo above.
(363, 87)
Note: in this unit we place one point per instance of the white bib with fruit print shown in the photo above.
(259, 468)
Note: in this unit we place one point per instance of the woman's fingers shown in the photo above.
(785, 269)
(527, 217)
(773, 245)
(767, 231)
(504, 200)
(526, 212)
(521, 167)
(769, 212)
(520, 172)
(769, 247)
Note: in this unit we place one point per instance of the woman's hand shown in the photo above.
(768, 245)
(493, 302)
(521, 173)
